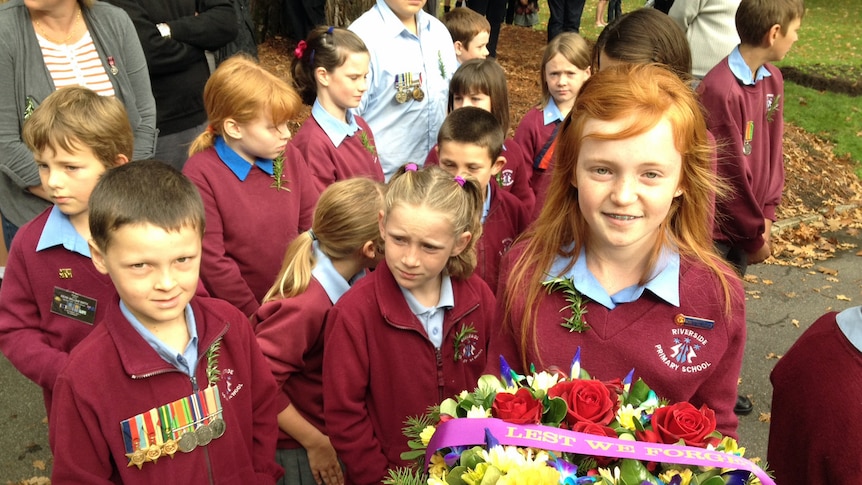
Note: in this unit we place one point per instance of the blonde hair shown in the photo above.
(75, 117)
(344, 220)
(645, 94)
(573, 48)
(436, 189)
(240, 89)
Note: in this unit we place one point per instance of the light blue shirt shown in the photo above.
(238, 165)
(850, 322)
(59, 231)
(329, 278)
(741, 70)
(552, 113)
(487, 206)
(432, 318)
(185, 361)
(404, 132)
(664, 284)
(334, 128)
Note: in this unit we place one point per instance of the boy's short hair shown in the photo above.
(145, 192)
(754, 18)
(464, 24)
(75, 116)
(475, 126)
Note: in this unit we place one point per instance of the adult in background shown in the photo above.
(710, 28)
(495, 12)
(174, 35)
(565, 16)
(88, 43)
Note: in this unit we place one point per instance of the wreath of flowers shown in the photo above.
(564, 408)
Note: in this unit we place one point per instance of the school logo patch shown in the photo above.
(682, 351)
(506, 178)
(469, 349)
(231, 387)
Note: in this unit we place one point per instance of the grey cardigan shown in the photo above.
(24, 80)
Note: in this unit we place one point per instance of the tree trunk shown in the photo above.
(341, 13)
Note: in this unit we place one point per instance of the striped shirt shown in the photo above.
(76, 64)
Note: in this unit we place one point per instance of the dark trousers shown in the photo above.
(615, 10)
(9, 231)
(663, 5)
(565, 16)
(733, 255)
(495, 12)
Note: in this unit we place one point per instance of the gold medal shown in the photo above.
(204, 435)
(153, 453)
(137, 458)
(169, 448)
(188, 442)
(401, 96)
(418, 94)
(218, 427)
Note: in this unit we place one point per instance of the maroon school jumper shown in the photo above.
(115, 374)
(328, 163)
(249, 224)
(756, 179)
(532, 135)
(815, 437)
(681, 363)
(515, 176)
(290, 334)
(380, 367)
(506, 220)
(35, 340)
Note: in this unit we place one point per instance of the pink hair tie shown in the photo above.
(411, 167)
(460, 180)
(300, 49)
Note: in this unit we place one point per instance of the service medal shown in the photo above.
(218, 427)
(188, 442)
(204, 435)
(418, 94)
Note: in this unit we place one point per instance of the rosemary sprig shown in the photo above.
(441, 65)
(213, 373)
(29, 106)
(773, 107)
(277, 172)
(577, 303)
(363, 137)
(466, 330)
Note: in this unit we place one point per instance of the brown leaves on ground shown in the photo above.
(821, 192)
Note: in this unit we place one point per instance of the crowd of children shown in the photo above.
(149, 306)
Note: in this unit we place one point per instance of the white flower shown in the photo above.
(542, 381)
(478, 412)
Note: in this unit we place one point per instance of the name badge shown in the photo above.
(73, 305)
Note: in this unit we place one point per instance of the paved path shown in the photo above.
(794, 294)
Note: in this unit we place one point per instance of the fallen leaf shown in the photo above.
(795, 323)
(791, 294)
(825, 270)
(766, 282)
(832, 279)
(750, 278)
(765, 418)
(843, 298)
(39, 464)
(859, 253)
(772, 355)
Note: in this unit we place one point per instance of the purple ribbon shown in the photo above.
(471, 431)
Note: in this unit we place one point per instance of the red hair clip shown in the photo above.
(300, 49)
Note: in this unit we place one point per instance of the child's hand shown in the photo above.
(324, 463)
(760, 256)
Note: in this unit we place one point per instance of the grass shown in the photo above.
(830, 44)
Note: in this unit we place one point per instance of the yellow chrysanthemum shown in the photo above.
(474, 476)
(531, 475)
(685, 476)
(426, 434)
(627, 415)
(612, 477)
(436, 481)
(438, 466)
(510, 458)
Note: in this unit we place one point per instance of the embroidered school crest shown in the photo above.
(506, 178)
(682, 352)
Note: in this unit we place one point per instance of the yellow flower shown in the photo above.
(474, 476)
(438, 466)
(627, 415)
(729, 445)
(436, 481)
(478, 412)
(685, 476)
(510, 458)
(612, 477)
(426, 434)
(531, 475)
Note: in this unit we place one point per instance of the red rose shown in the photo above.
(598, 430)
(518, 408)
(682, 421)
(586, 401)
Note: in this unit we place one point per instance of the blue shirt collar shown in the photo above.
(447, 298)
(59, 231)
(329, 278)
(741, 70)
(850, 323)
(664, 284)
(238, 165)
(487, 206)
(334, 128)
(186, 361)
(552, 113)
(393, 25)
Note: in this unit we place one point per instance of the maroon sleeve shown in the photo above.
(522, 172)
(503, 342)
(299, 172)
